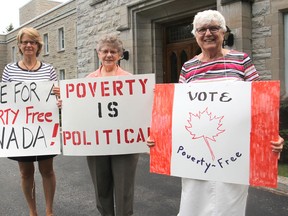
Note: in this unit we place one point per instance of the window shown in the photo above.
(14, 54)
(179, 32)
(61, 74)
(61, 39)
(286, 50)
(46, 44)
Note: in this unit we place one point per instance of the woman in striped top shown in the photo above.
(231, 65)
(31, 69)
(214, 63)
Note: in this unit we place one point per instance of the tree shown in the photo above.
(10, 27)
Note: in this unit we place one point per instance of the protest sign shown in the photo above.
(216, 131)
(106, 115)
(29, 119)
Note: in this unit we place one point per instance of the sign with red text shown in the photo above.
(29, 119)
(216, 131)
(106, 115)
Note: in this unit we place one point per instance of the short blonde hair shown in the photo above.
(208, 16)
(110, 40)
(33, 34)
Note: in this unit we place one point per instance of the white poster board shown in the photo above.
(220, 131)
(29, 119)
(206, 140)
(106, 115)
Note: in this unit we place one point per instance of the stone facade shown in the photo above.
(35, 8)
(3, 52)
(139, 25)
(257, 26)
(268, 40)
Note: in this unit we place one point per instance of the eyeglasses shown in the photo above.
(105, 52)
(31, 42)
(212, 29)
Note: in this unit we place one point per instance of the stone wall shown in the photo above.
(3, 52)
(92, 22)
(268, 39)
(35, 8)
(260, 34)
(140, 23)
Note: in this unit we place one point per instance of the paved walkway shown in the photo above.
(282, 186)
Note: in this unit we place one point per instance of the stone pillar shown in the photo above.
(238, 15)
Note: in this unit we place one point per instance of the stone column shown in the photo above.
(238, 18)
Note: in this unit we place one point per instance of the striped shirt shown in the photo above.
(233, 66)
(14, 73)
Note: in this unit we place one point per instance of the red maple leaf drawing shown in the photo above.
(205, 125)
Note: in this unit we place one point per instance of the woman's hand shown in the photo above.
(277, 146)
(150, 142)
(59, 103)
(56, 91)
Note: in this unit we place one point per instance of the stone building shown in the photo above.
(35, 8)
(57, 26)
(156, 33)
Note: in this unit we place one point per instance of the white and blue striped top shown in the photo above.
(14, 73)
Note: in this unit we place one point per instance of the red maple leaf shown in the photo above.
(205, 125)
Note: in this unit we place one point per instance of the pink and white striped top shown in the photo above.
(234, 65)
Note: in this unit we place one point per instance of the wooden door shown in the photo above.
(179, 46)
(176, 55)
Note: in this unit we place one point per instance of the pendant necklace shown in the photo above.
(29, 70)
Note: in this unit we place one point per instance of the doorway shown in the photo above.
(179, 46)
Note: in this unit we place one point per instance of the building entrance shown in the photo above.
(179, 46)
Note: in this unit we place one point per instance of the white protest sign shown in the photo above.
(217, 131)
(29, 119)
(208, 118)
(106, 115)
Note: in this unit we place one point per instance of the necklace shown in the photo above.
(28, 67)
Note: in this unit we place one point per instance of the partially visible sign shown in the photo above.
(29, 119)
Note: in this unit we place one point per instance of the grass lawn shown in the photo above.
(283, 169)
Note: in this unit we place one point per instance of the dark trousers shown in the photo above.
(114, 176)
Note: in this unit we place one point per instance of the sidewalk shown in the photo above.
(282, 186)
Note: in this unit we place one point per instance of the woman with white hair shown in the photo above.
(214, 63)
(113, 176)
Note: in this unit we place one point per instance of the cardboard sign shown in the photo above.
(216, 131)
(29, 119)
(106, 115)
